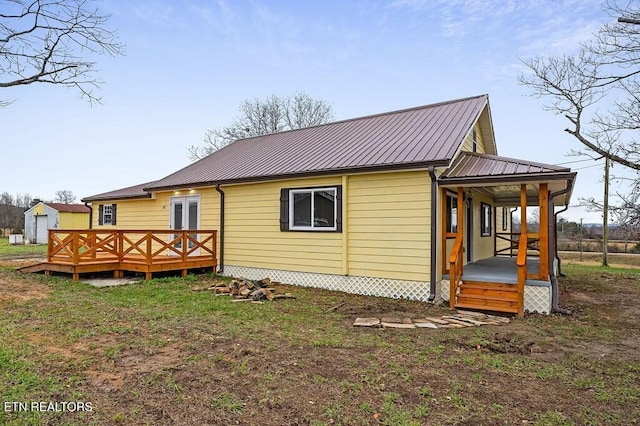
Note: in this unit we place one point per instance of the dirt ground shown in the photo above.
(540, 370)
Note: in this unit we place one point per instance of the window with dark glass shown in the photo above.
(312, 209)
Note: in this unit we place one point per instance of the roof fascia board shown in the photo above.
(469, 130)
(472, 181)
(329, 172)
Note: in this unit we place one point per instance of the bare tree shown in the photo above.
(51, 41)
(598, 91)
(603, 75)
(261, 117)
(65, 196)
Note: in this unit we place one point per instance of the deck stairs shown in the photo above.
(487, 296)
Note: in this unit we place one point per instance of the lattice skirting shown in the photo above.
(369, 286)
(536, 298)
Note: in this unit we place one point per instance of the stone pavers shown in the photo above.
(460, 319)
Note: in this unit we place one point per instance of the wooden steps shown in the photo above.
(488, 296)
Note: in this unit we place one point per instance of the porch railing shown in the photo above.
(137, 246)
(513, 240)
(455, 270)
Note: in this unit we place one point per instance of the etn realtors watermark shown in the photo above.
(48, 406)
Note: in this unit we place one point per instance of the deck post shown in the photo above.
(543, 197)
(523, 246)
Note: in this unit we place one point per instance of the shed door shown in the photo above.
(41, 229)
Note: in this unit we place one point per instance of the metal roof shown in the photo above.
(470, 165)
(135, 191)
(500, 177)
(68, 208)
(416, 137)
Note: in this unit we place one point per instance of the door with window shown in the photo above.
(185, 214)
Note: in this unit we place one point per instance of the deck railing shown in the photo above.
(455, 270)
(136, 246)
(513, 240)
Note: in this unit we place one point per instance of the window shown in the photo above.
(311, 209)
(474, 142)
(452, 213)
(107, 214)
(505, 219)
(485, 220)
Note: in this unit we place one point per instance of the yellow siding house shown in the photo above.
(375, 205)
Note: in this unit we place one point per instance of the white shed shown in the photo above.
(44, 216)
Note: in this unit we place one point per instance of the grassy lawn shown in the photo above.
(158, 353)
(26, 250)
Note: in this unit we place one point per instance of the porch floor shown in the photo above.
(499, 269)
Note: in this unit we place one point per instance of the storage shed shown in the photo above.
(44, 216)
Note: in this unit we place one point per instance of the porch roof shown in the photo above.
(500, 178)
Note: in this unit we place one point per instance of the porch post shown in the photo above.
(443, 211)
(523, 209)
(543, 197)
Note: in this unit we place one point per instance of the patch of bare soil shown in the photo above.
(19, 290)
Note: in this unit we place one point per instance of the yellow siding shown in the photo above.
(483, 247)
(253, 237)
(70, 220)
(389, 224)
(154, 213)
(500, 243)
(38, 210)
(468, 142)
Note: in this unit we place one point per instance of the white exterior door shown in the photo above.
(185, 214)
(42, 234)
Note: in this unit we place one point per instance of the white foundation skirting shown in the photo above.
(369, 286)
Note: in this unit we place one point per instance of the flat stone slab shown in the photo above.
(110, 282)
(367, 322)
(459, 320)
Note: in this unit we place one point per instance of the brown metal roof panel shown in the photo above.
(407, 136)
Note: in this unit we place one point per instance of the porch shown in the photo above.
(488, 281)
(78, 252)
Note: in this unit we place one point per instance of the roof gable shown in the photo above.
(416, 137)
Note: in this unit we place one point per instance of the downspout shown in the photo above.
(221, 262)
(555, 233)
(553, 254)
(87, 205)
(434, 247)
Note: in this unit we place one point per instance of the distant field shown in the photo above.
(614, 259)
(615, 246)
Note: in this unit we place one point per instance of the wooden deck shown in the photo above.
(146, 251)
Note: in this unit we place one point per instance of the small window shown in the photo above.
(311, 209)
(485, 220)
(452, 213)
(474, 142)
(107, 214)
(505, 219)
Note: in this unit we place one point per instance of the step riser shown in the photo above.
(489, 294)
(487, 303)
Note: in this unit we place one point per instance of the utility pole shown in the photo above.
(605, 214)
(580, 239)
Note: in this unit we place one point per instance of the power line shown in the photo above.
(577, 161)
(587, 167)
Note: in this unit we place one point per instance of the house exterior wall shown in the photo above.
(383, 249)
(483, 247)
(253, 237)
(389, 220)
(501, 243)
(468, 142)
(71, 220)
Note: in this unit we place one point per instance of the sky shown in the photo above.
(189, 64)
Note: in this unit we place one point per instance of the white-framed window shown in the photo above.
(313, 209)
(485, 220)
(452, 213)
(107, 214)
